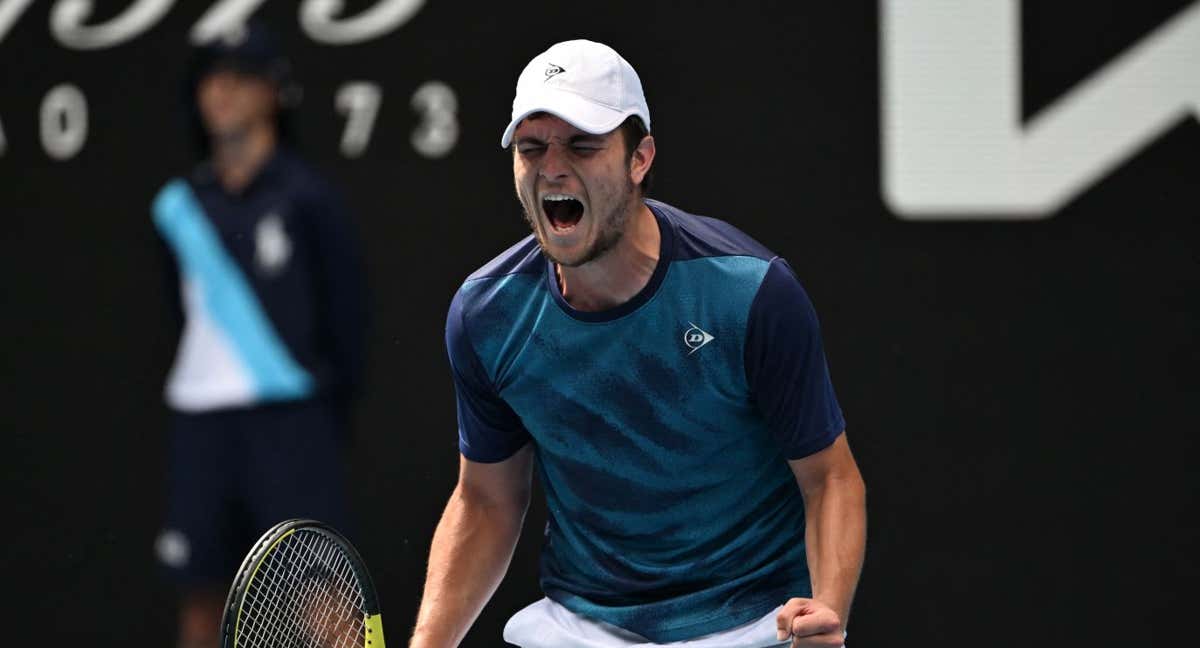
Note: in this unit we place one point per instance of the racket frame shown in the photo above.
(373, 624)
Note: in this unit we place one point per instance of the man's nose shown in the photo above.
(554, 162)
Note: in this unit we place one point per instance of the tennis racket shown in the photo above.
(303, 585)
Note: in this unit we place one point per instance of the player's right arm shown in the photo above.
(472, 546)
(474, 540)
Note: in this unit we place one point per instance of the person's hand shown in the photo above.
(810, 624)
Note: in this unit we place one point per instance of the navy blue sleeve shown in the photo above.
(786, 368)
(488, 429)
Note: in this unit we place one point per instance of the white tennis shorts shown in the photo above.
(546, 624)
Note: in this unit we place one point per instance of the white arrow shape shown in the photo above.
(953, 142)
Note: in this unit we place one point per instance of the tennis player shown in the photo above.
(667, 373)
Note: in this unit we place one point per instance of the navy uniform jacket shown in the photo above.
(271, 288)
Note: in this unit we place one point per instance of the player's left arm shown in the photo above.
(835, 539)
(790, 383)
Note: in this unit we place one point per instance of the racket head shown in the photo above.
(302, 584)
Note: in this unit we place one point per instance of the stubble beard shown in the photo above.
(610, 230)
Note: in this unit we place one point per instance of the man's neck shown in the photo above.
(237, 158)
(621, 273)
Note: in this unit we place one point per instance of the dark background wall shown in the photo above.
(1021, 396)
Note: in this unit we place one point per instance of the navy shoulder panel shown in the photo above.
(701, 236)
(523, 258)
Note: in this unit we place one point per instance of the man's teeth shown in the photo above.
(558, 197)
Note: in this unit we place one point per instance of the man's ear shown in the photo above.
(641, 160)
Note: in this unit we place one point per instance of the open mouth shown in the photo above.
(562, 211)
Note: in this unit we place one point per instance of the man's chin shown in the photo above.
(574, 258)
(565, 258)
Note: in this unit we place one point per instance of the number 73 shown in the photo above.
(434, 101)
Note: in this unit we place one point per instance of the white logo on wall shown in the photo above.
(272, 247)
(954, 147)
(695, 338)
(318, 18)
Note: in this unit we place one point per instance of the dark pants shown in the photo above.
(235, 473)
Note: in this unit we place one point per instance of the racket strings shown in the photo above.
(304, 595)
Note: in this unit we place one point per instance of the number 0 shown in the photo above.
(64, 121)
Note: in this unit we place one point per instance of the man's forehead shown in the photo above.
(543, 125)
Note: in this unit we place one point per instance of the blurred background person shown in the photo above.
(266, 273)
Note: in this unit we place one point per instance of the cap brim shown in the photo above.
(581, 113)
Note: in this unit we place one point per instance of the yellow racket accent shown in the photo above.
(374, 632)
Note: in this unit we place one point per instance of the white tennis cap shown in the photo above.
(585, 83)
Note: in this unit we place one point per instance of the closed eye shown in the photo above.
(585, 149)
(581, 145)
(528, 149)
(586, 144)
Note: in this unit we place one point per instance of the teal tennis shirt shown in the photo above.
(662, 428)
